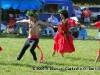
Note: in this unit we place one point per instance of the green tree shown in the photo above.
(90, 2)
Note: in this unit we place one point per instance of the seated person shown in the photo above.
(83, 33)
(15, 29)
(98, 36)
(3, 27)
(53, 21)
(48, 30)
(74, 31)
(74, 26)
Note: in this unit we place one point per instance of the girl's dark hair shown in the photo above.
(64, 12)
(65, 15)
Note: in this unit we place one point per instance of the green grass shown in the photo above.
(83, 57)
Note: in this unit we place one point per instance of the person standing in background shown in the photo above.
(78, 13)
(87, 14)
(11, 21)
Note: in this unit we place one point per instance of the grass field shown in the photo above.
(83, 58)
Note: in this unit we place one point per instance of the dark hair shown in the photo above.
(65, 15)
(64, 12)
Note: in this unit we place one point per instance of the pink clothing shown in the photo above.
(87, 13)
(33, 36)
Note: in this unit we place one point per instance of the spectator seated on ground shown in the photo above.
(98, 36)
(83, 33)
(3, 27)
(74, 31)
(73, 26)
(48, 31)
(15, 29)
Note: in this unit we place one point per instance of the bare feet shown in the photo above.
(41, 60)
(97, 58)
(53, 53)
(62, 55)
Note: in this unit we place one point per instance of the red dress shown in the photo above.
(61, 43)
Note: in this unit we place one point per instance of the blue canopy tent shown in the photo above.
(56, 1)
(21, 4)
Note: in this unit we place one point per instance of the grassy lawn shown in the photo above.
(83, 58)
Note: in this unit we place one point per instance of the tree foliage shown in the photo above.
(90, 2)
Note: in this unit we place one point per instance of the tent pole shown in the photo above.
(42, 16)
(0, 18)
(39, 12)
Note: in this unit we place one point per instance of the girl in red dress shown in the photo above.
(63, 40)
